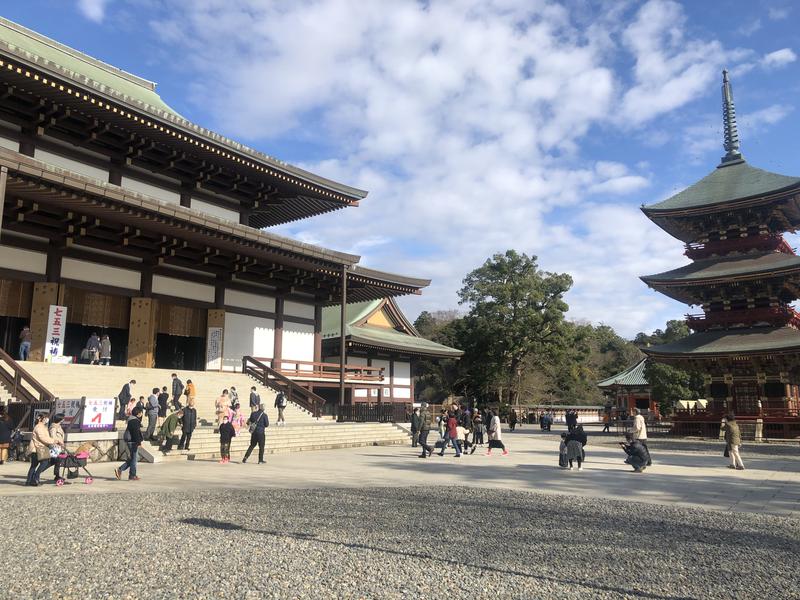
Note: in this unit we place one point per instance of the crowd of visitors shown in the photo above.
(460, 428)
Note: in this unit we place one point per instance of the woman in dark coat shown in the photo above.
(5, 434)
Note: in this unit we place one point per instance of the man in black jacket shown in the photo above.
(638, 454)
(189, 423)
(415, 427)
(133, 437)
(124, 396)
(177, 390)
(255, 399)
(258, 423)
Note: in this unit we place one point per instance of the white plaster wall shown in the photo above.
(298, 344)
(402, 373)
(355, 360)
(70, 164)
(95, 273)
(385, 364)
(169, 286)
(157, 192)
(214, 210)
(296, 309)
(23, 260)
(251, 301)
(361, 393)
(9, 143)
(246, 336)
(401, 392)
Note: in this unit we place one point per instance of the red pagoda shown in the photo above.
(745, 277)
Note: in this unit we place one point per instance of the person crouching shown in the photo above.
(226, 434)
(638, 454)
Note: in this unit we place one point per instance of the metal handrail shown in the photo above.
(17, 376)
(271, 378)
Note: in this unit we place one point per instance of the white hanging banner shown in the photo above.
(98, 414)
(214, 349)
(56, 327)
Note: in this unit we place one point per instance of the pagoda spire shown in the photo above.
(729, 122)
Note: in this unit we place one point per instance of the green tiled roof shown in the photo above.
(631, 377)
(752, 340)
(79, 65)
(728, 182)
(379, 337)
(718, 268)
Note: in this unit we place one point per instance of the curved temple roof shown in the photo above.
(743, 266)
(752, 340)
(630, 377)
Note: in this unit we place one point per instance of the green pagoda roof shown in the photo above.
(745, 265)
(630, 377)
(751, 340)
(402, 338)
(729, 182)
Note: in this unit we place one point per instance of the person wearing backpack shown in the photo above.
(257, 425)
(177, 391)
(280, 404)
(133, 438)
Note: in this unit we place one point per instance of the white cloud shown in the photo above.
(750, 28)
(466, 121)
(670, 69)
(778, 13)
(94, 10)
(779, 58)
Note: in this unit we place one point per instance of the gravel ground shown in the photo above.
(389, 543)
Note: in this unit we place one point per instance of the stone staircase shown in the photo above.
(303, 432)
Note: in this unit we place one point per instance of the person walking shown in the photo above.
(124, 396)
(177, 392)
(191, 391)
(152, 415)
(39, 447)
(226, 434)
(105, 351)
(733, 439)
(255, 399)
(512, 420)
(280, 404)
(258, 422)
(221, 406)
(495, 434)
(24, 343)
(451, 435)
(57, 433)
(163, 399)
(6, 427)
(188, 425)
(414, 427)
(234, 396)
(640, 431)
(93, 349)
(478, 428)
(133, 438)
(424, 430)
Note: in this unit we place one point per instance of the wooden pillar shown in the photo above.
(215, 319)
(186, 195)
(27, 140)
(342, 335)
(3, 180)
(317, 333)
(115, 172)
(277, 348)
(142, 332)
(44, 295)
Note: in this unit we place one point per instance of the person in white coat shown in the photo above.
(640, 431)
(495, 435)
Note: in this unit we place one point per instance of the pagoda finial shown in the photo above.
(729, 122)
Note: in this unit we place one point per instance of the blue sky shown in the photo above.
(476, 126)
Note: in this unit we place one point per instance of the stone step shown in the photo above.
(238, 455)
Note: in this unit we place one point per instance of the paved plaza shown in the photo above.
(378, 522)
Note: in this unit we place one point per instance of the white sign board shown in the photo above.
(98, 413)
(56, 328)
(214, 349)
(68, 408)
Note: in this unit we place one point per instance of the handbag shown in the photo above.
(55, 451)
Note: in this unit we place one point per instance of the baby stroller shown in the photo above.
(70, 465)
